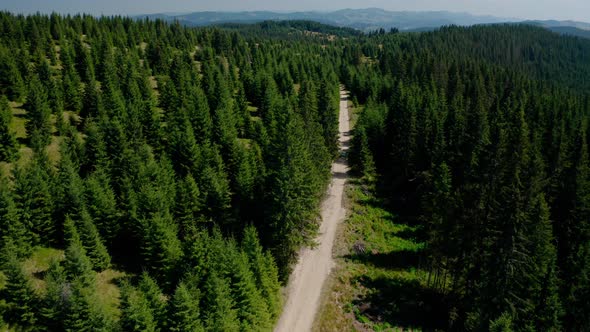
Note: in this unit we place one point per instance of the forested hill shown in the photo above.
(290, 29)
(140, 163)
(156, 177)
(520, 49)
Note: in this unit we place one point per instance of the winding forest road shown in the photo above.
(314, 266)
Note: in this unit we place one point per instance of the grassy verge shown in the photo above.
(378, 283)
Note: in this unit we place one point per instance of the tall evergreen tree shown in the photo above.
(184, 310)
(18, 293)
(38, 112)
(8, 143)
(136, 314)
(92, 242)
(156, 300)
(34, 200)
(220, 313)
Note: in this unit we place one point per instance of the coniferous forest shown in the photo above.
(156, 177)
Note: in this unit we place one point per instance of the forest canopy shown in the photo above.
(156, 177)
(187, 162)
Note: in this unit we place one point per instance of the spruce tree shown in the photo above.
(8, 143)
(38, 112)
(77, 265)
(188, 206)
(12, 78)
(18, 292)
(265, 271)
(34, 200)
(54, 303)
(136, 314)
(252, 310)
(161, 249)
(102, 206)
(12, 229)
(156, 300)
(220, 313)
(184, 312)
(93, 244)
(84, 311)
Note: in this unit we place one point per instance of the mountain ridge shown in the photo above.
(370, 19)
(366, 19)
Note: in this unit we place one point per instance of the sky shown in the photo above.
(578, 10)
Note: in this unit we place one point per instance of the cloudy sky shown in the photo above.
(527, 9)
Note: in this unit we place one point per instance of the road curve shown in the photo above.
(314, 266)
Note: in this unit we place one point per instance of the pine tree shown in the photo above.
(136, 314)
(440, 209)
(38, 112)
(77, 265)
(12, 229)
(155, 298)
(184, 151)
(35, 202)
(56, 104)
(11, 76)
(8, 143)
(577, 266)
(265, 271)
(92, 105)
(95, 149)
(188, 206)
(200, 116)
(252, 309)
(220, 314)
(18, 293)
(184, 310)
(93, 244)
(53, 307)
(294, 191)
(102, 207)
(214, 186)
(84, 312)
(542, 275)
(362, 156)
(68, 189)
(71, 86)
(161, 249)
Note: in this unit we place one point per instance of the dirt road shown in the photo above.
(314, 266)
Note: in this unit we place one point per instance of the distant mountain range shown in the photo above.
(369, 19)
(573, 28)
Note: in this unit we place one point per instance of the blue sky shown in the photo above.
(527, 9)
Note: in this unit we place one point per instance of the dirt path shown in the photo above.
(314, 266)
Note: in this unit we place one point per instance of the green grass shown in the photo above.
(379, 289)
(354, 113)
(18, 120)
(106, 281)
(53, 149)
(108, 291)
(17, 126)
(38, 263)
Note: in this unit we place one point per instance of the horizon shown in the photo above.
(568, 10)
